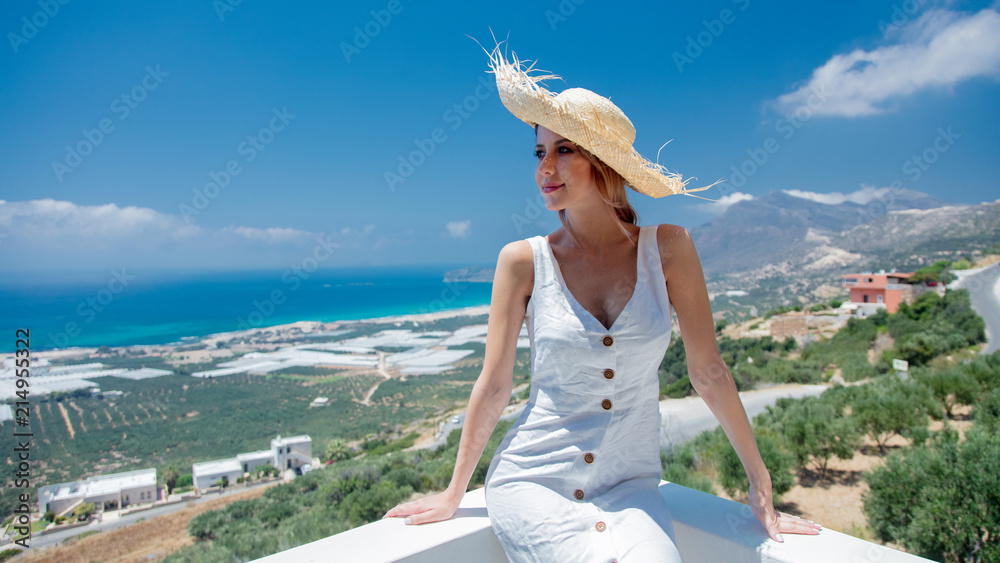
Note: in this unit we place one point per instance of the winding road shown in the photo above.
(683, 419)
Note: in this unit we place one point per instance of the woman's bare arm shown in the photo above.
(512, 283)
(709, 375)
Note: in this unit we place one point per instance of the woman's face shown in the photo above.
(563, 174)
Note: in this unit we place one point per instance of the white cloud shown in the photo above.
(367, 229)
(939, 49)
(48, 219)
(68, 222)
(458, 229)
(272, 235)
(861, 197)
(723, 203)
(48, 233)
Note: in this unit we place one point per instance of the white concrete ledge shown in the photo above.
(708, 528)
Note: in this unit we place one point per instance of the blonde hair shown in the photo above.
(611, 188)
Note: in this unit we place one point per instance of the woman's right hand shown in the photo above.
(433, 508)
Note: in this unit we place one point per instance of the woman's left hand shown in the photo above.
(775, 522)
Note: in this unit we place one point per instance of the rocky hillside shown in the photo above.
(779, 226)
(784, 249)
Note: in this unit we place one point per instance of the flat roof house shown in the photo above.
(206, 473)
(292, 452)
(253, 460)
(107, 492)
(871, 292)
(285, 453)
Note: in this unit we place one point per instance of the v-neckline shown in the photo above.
(635, 289)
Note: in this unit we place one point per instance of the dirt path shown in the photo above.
(367, 401)
(65, 415)
(79, 411)
(150, 540)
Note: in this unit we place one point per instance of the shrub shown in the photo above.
(935, 325)
(936, 272)
(84, 511)
(206, 525)
(686, 464)
(200, 552)
(275, 513)
(987, 412)
(678, 389)
(404, 477)
(814, 431)
(951, 387)
(337, 450)
(890, 406)
(370, 504)
(684, 477)
(779, 463)
(937, 500)
(918, 348)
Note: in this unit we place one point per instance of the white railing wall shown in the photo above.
(707, 528)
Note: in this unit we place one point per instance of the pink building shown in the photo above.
(872, 291)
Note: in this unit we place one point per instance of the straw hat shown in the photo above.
(588, 119)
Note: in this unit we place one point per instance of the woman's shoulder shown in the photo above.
(672, 239)
(516, 264)
(517, 252)
(678, 256)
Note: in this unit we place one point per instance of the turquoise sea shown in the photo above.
(126, 307)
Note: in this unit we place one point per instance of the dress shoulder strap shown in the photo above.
(655, 270)
(544, 273)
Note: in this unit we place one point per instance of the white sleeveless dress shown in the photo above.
(576, 477)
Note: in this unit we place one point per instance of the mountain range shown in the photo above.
(788, 246)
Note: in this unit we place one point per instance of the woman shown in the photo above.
(576, 477)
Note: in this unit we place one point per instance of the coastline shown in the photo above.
(469, 311)
(275, 331)
(310, 326)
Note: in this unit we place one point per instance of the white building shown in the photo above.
(293, 452)
(107, 492)
(206, 473)
(285, 453)
(253, 460)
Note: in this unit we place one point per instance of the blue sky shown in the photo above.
(117, 115)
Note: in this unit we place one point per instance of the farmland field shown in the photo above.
(178, 420)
